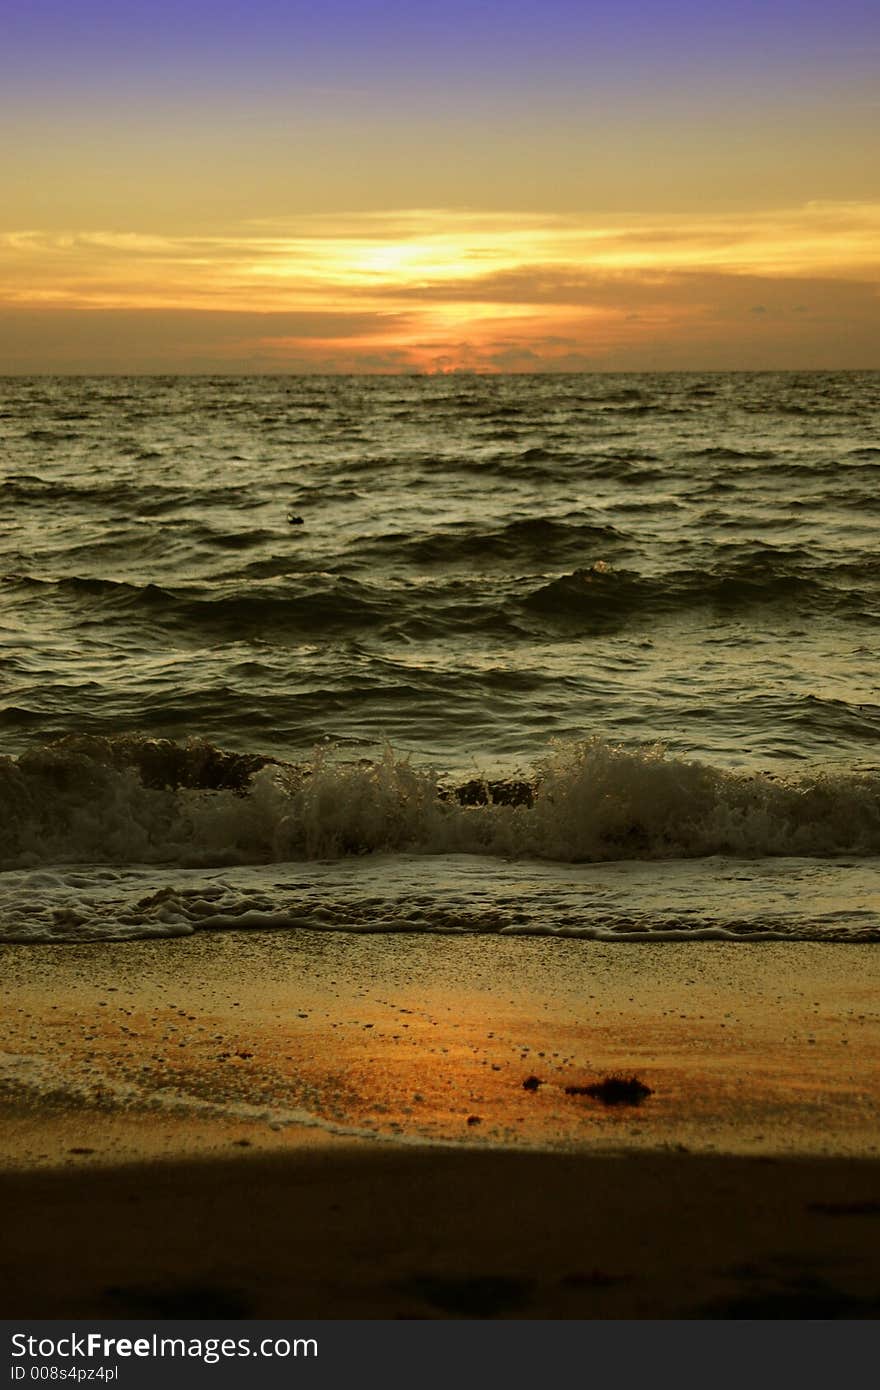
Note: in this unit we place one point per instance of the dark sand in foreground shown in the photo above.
(324, 1125)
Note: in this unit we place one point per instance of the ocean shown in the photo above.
(587, 655)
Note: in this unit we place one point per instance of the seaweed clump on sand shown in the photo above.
(614, 1090)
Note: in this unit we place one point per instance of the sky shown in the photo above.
(563, 185)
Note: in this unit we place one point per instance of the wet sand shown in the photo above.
(326, 1125)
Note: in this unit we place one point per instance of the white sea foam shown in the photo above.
(717, 898)
(74, 803)
(92, 853)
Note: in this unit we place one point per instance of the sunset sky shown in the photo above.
(510, 186)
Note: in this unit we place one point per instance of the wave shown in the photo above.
(309, 602)
(126, 800)
(503, 591)
(722, 453)
(131, 498)
(524, 540)
(101, 904)
(303, 603)
(601, 596)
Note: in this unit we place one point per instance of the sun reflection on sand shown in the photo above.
(283, 1039)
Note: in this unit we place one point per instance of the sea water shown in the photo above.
(588, 654)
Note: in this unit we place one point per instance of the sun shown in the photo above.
(395, 259)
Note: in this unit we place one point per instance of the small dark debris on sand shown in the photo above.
(614, 1090)
(532, 1083)
(474, 1119)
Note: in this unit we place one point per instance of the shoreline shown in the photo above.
(330, 1125)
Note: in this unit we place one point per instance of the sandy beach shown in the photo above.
(327, 1125)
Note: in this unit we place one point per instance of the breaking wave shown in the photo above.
(139, 801)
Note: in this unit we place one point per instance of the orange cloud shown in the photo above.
(429, 290)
